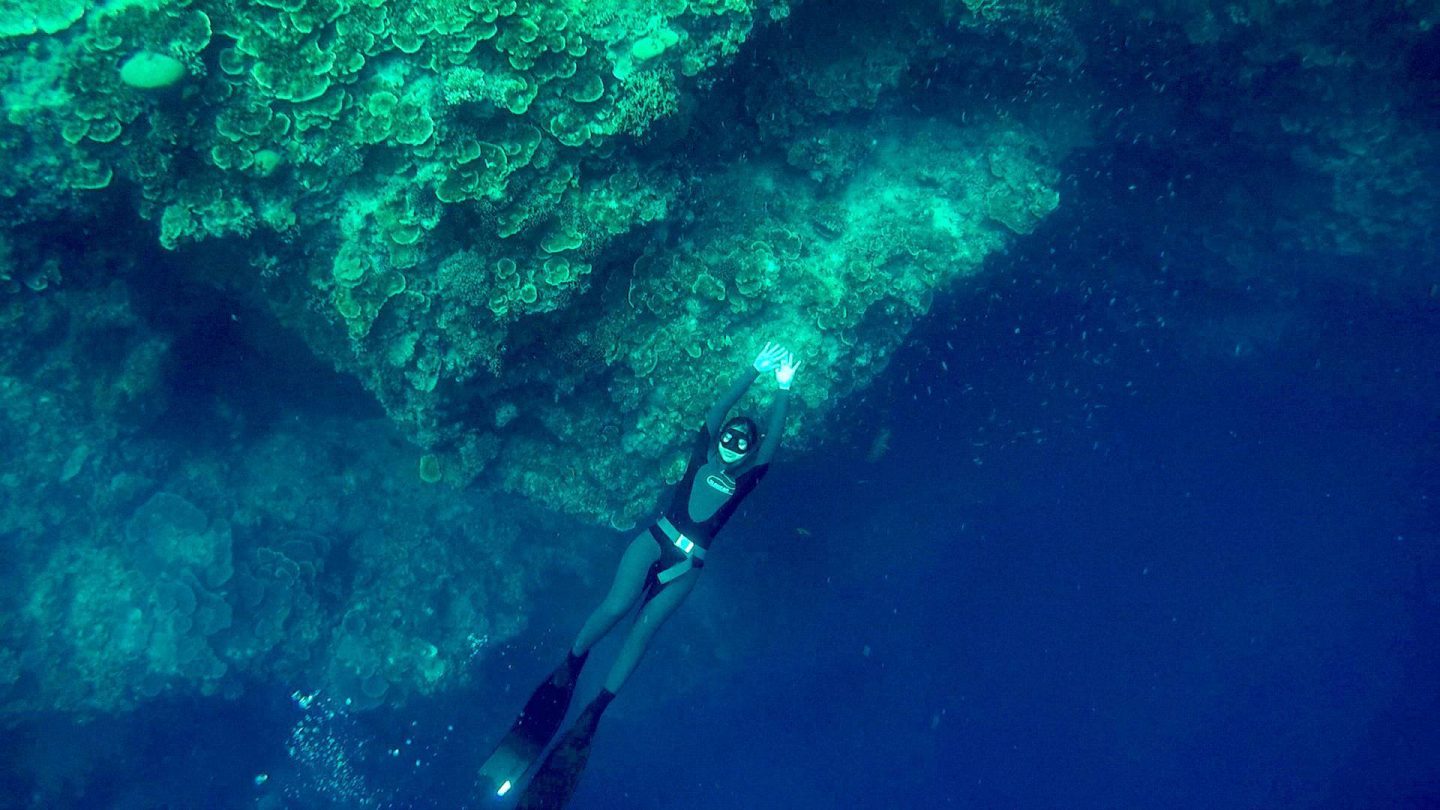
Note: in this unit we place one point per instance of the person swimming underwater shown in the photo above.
(658, 569)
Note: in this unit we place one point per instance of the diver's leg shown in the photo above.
(654, 614)
(558, 776)
(629, 582)
(545, 710)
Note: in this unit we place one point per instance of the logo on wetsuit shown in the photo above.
(722, 482)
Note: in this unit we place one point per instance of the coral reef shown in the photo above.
(427, 193)
(128, 617)
(136, 567)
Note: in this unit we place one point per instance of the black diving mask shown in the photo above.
(735, 443)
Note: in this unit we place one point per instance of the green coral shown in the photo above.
(24, 17)
(148, 71)
(1022, 197)
(841, 274)
(463, 173)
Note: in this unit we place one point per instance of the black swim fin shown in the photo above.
(532, 730)
(557, 779)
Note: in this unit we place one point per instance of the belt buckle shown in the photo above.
(684, 543)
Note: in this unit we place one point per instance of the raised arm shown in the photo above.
(775, 425)
(768, 360)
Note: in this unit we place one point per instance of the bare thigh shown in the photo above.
(651, 617)
(635, 563)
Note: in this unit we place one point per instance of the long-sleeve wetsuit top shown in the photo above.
(708, 494)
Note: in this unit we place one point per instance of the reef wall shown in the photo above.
(490, 216)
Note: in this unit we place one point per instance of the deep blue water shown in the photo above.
(1215, 591)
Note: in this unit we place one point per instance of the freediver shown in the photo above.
(658, 569)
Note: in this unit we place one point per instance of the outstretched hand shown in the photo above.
(769, 358)
(785, 371)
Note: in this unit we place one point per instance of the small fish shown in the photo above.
(879, 445)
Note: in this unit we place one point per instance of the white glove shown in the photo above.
(769, 358)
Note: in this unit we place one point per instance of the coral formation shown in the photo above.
(420, 190)
(134, 572)
(129, 617)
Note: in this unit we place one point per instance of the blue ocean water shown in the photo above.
(1153, 570)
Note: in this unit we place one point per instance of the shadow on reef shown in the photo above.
(233, 368)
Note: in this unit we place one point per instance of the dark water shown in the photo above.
(1156, 574)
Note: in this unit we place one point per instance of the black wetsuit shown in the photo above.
(679, 513)
(684, 497)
